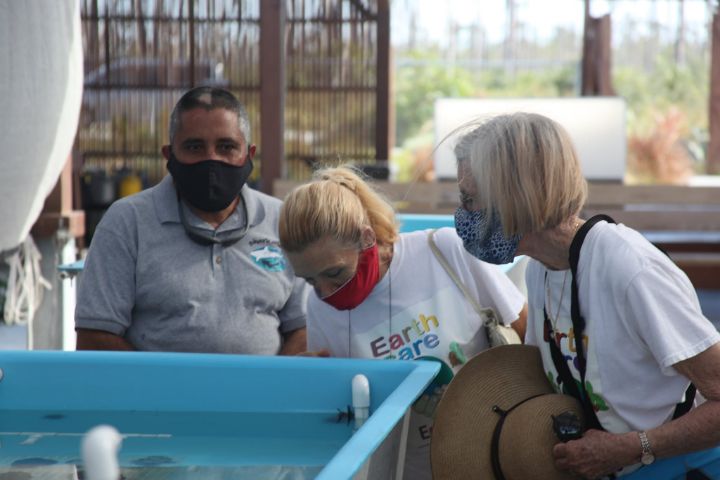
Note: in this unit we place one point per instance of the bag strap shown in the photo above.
(685, 406)
(576, 389)
(569, 384)
(578, 322)
(486, 313)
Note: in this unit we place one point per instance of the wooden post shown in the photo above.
(597, 56)
(272, 92)
(587, 79)
(191, 45)
(712, 160)
(58, 213)
(604, 56)
(382, 107)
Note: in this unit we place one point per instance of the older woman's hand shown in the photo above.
(597, 453)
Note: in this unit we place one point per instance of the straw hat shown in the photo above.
(507, 376)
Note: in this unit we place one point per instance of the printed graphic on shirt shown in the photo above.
(415, 338)
(421, 331)
(438, 329)
(568, 347)
(269, 258)
(263, 241)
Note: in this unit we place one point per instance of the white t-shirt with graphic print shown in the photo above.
(642, 316)
(415, 312)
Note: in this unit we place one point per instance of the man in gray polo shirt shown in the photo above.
(193, 263)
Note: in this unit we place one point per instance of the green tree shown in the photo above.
(419, 85)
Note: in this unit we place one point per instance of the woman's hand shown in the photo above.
(320, 353)
(597, 453)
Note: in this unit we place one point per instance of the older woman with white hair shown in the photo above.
(618, 324)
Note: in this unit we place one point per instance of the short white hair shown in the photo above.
(525, 169)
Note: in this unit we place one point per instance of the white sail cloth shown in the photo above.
(41, 78)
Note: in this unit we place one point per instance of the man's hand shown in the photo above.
(88, 339)
(597, 453)
(294, 342)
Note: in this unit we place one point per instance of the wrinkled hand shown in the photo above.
(596, 454)
(320, 353)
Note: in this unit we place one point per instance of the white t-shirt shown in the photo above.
(417, 312)
(642, 316)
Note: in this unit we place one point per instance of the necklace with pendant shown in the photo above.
(548, 300)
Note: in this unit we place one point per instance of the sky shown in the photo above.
(541, 17)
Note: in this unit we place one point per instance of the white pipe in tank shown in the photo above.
(360, 399)
(99, 453)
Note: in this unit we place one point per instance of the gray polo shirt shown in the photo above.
(146, 280)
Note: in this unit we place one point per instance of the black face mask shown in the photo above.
(210, 185)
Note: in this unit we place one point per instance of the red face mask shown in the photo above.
(357, 289)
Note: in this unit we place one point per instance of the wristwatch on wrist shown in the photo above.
(647, 457)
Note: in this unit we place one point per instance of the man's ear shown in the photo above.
(166, 151)
(251, 150)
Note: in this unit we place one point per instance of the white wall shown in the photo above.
(595, 124)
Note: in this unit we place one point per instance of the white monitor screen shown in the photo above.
(596, 126)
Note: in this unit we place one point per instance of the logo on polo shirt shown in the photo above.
(269, 258)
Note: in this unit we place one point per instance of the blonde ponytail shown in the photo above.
(337, 203)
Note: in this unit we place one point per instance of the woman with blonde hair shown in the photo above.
(382, 294)
(618, 324)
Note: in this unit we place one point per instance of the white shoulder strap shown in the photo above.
(486, 313)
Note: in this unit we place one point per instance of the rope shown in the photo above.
(25, 286)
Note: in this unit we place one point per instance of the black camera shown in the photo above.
(567, 426)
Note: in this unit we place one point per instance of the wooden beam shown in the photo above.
(191, 45)
(617, 195)
(661, 219)
(272, 92)
(597, 57)
(604, 57)
(654, 208)
(712, 161)
(587, 79)
(684, 221)
(382, 103)
(57, 213)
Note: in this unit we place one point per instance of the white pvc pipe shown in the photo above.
(100, 446)
(360, 399)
